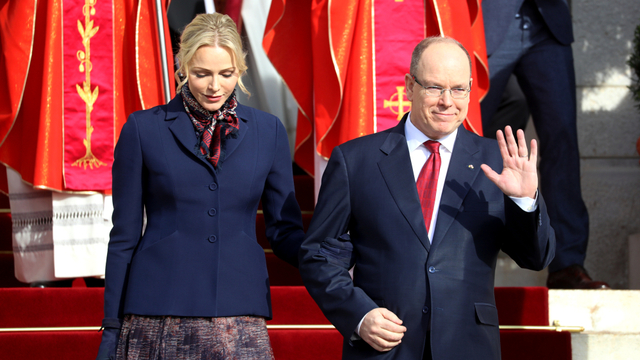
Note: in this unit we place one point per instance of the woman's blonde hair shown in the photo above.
(210, 30)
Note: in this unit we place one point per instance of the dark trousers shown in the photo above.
(427, 347)
(512, 110)
(545, 73)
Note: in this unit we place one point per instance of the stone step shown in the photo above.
(602, 345)
(607, 311)
(611, 319)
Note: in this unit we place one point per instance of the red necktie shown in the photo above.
(428, 181)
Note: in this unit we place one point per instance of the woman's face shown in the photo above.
(212, 76)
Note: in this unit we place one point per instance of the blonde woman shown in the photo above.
(193, 284)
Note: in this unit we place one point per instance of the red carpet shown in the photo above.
(292, 305)
(51, 345)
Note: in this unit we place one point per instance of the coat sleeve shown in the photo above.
(282, 215)
(127, 171)
(327, 252)
(531, 241)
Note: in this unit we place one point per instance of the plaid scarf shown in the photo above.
(212, 127)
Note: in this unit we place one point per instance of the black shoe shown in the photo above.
(574, 277)
(52, 283)
(94, 282)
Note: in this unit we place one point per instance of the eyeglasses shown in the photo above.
(456, 93)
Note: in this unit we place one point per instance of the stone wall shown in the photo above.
(608, 128)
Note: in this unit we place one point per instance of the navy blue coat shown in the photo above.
(368, 190)
(199, 255)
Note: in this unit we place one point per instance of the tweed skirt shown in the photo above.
(191, 338)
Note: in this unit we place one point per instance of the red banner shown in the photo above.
(88, 94)
(31, 118)
(399, 26)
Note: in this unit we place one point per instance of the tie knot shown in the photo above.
(433, 146)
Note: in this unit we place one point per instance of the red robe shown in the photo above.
(32, 82)
(324, 51)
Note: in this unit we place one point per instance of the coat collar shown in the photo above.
(182, 128)
(464, 168)
(398, 175)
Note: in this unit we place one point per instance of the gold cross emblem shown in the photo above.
(399, 103)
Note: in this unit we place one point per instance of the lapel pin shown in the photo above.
(471, 167)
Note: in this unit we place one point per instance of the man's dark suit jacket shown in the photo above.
(498, 15)
(199, 255)
(368, 191)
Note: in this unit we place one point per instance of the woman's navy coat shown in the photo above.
(198, 255)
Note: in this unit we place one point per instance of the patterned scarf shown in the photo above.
(212, 127)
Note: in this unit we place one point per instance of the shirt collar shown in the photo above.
(415, 137)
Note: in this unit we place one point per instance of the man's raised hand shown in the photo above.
(519, 177)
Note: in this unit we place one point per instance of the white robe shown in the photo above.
(57, 235)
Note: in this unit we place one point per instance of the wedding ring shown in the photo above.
(523, 156)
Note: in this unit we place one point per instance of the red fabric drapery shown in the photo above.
(318, 47)
(323, 50)
(31, 73)
(462, 20)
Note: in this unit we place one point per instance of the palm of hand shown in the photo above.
(519, 177)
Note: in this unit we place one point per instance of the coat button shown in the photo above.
(212, 212)
(432, 269)
(213, 186)
(425, 309)
(213, 239)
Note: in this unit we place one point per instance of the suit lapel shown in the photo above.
(396, 171)
(182, 129)
(244, 114)
(463, 170)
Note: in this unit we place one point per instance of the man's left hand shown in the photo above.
(519, 177)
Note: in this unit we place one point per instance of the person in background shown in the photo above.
(512, 110)
(193, 282)
(421, 214)
(531, 39)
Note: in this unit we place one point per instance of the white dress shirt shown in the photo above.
(419, 155)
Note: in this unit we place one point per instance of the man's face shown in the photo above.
(447, 66)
